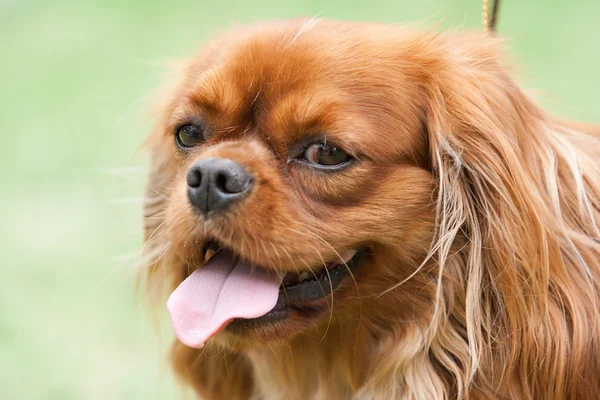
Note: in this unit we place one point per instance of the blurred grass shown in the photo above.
(76, 79)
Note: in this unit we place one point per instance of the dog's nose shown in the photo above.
(215, 183)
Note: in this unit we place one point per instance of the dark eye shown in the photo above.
(189, 135)
(326, 155)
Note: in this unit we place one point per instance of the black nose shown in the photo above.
(215, 183)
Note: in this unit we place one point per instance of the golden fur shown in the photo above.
(481, 212)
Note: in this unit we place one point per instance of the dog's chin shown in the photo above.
(304, 302)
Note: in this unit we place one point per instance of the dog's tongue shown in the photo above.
(222, 289)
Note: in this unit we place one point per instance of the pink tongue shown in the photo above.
(222, 289)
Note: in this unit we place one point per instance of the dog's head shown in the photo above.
(307, 160)
(309, 174)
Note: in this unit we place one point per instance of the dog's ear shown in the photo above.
(513, 192)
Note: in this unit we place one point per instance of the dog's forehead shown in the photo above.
(269, 78)
(301, 78)
(261, 65)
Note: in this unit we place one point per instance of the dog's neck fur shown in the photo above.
(330, 370)
(339, 367)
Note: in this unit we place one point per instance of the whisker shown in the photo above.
(162, 254)
(154, 232)
(274, 352)
(200, 353)
(155, 217)
(294, 264)
(153, 259)
(309, 231)
(280, 262)
(151, 238)
(339, 256)
(276, 253)
(158, 193)
(262, 244)
(330, 291)
(228, 130)
(290, 353)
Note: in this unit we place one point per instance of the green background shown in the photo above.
(76, 83)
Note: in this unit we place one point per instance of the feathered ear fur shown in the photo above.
(519, 203)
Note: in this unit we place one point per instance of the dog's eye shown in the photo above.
(325, 155)
(189, 135)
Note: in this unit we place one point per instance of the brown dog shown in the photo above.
(390, 217)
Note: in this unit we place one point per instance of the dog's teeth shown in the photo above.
(209, 254)
(304, 275)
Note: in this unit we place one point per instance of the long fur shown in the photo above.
(496, 296)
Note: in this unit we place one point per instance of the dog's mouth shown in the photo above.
(228, 292)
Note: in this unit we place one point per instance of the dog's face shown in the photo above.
(303, 157)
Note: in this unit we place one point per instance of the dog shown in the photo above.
(344, 210)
